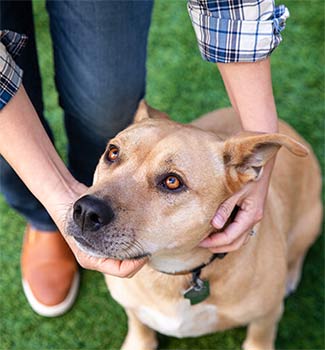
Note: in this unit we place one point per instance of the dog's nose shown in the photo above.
(91, 213)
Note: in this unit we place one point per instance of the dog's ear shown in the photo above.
(246, 154)
(144, 111)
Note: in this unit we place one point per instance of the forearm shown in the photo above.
(240, 42)
(27, 148)
(249, 87)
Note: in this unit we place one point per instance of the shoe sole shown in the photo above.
(55, 310)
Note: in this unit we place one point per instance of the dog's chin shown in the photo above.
(89, 251)
(84, 246)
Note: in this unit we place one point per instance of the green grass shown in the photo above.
(183, 85)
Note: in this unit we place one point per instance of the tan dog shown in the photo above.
(155, 191)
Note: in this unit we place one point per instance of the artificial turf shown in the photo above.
(182, 84)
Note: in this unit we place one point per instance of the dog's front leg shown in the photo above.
(261, 333)
(140, 336)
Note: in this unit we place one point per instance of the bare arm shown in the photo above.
(249, 88)
(27, 148)
(240, 40)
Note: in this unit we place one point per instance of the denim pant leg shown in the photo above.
(100, 64)
(17, 16)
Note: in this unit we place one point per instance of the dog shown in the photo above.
(155, 191)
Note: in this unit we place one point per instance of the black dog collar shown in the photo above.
(200, 289)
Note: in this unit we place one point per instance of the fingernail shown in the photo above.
(218, 221)
(204, 244)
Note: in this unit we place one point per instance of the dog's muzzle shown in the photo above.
(91, 213)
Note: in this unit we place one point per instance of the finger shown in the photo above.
(129, 268)
(238, 243)
(224, 211)
(243, 221)
(118, 268)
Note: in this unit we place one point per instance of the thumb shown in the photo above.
(224, 211)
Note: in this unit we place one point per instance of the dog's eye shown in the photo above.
(172, 183)
(113, 153)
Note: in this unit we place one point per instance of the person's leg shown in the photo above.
(17, 16)
(100, 57)
(49, 271)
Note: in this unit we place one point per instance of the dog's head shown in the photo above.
(158, 185)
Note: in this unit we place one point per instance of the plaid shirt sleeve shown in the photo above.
(237, 30)
(11, 45)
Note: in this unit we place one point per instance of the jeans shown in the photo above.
(100, 74)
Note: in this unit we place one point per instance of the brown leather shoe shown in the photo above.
(50, 273)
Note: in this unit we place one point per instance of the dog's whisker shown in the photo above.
(126, 249)
(132, 249)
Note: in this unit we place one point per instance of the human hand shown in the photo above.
(54, 186)
(119, 268)
(250, 199)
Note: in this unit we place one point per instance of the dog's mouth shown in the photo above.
(125, 254)
(83, 242)
(138, 257)
(87, 248)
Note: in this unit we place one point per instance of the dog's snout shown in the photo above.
(91, 213)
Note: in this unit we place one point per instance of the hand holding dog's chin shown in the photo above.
(251, 200)
(58, 207)
(118, 268)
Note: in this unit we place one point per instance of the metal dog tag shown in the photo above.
(198, 292)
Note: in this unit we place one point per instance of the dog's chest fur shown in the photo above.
(183, 321)
(169, 314)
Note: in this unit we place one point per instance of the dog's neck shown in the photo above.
(173, 263)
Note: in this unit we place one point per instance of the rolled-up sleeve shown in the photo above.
(11, 74)
(237, 31)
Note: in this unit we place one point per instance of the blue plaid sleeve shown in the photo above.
(10, 74)
(237, 30)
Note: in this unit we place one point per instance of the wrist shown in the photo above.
(249, 87)
(259, 121)
(61, 197)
